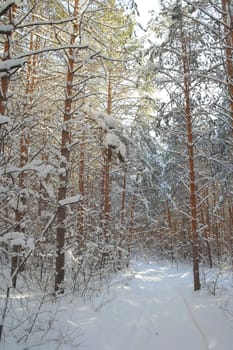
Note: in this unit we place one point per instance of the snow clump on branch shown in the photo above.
(112, 141)
(107, 123)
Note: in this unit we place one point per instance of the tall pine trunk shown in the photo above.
(5, 79)
(193, 195)
(107, 155)
(65, 156)
(228, 28)
(81, 186)
(24, 150)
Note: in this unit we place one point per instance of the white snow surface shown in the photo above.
(148, 307)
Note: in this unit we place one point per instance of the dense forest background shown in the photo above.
(115, 141)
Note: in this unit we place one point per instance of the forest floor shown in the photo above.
(147, 307)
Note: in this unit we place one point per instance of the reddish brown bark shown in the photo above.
(215, 228)
(207, 231)
(206, 238)
(228, 28)
(65, 154)
(123, 197)
(122, 218)
(81, 189)
(193, 201)
(132, 210)
(5, 80)
(24, 149)
(172, 229)
(107, 155)
(6, 56)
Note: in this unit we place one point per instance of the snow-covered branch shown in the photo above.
(109, 124)
(70, 200)
(19, 61)
(52, 48)
(6, 29)
(6, 66)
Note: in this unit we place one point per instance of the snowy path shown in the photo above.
(152, 308)
(158, 310)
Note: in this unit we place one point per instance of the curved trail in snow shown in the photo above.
(156, 309)
(196, 324)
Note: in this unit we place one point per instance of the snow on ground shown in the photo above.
(148, 307)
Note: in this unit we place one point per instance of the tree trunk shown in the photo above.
(65, 155)
(170, 231)
(206, 238)
(132, 209)
(4, 81)
(24, 148)
(228, 28)
(195, 241)
(107, 155)
(123, 197)
(81, 184)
